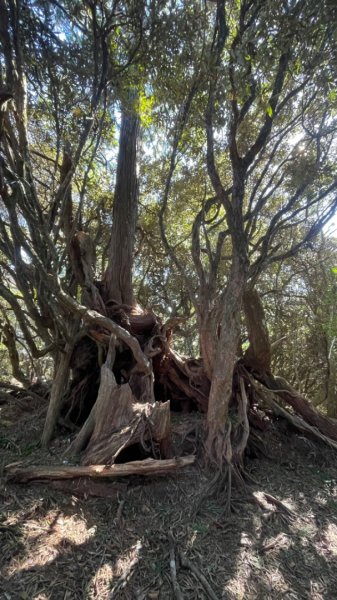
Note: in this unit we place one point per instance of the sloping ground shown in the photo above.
(58, 546)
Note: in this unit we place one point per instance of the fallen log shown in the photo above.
(23, 474)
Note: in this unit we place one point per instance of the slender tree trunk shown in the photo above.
(331, 401)
(118, 277)
(57, 391)
(10, 342)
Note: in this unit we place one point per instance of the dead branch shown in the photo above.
(23, 474)
(173, 568)
(302, 406)
(123, 579)
(280, 505)
(187, 564)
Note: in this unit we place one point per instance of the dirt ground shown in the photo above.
(56, 545)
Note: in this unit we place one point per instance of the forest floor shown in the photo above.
(54, 545)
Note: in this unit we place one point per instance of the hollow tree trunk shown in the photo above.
(218, 445)
(118, 277)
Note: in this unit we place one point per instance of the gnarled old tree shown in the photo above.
(273, 178)
(253, 105)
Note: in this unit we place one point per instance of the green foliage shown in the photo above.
(83, 60)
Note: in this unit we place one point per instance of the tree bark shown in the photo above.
(208, 326)
(217, 447)
(10, 342)
(331, 398)
(258, 355)
(137, 467)
(57, 391)
(118, 277)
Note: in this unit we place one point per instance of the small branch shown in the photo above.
(173, 567)
(188, 565)
(119, 513)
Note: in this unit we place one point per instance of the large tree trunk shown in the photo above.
(118, 277)
(218, 444)
(208, 333)
(258, 355)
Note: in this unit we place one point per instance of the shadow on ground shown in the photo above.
(55, 546)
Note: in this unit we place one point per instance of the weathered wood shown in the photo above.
(143, 423)
(22, 474)
(118, 276)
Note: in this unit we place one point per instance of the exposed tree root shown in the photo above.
(127, 378)
(220, 487)
(271, 399)
(262, 499)
(301, 406)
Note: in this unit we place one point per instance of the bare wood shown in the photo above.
(21, 474)
(280, 505)
(128, 424)
(106, 389)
